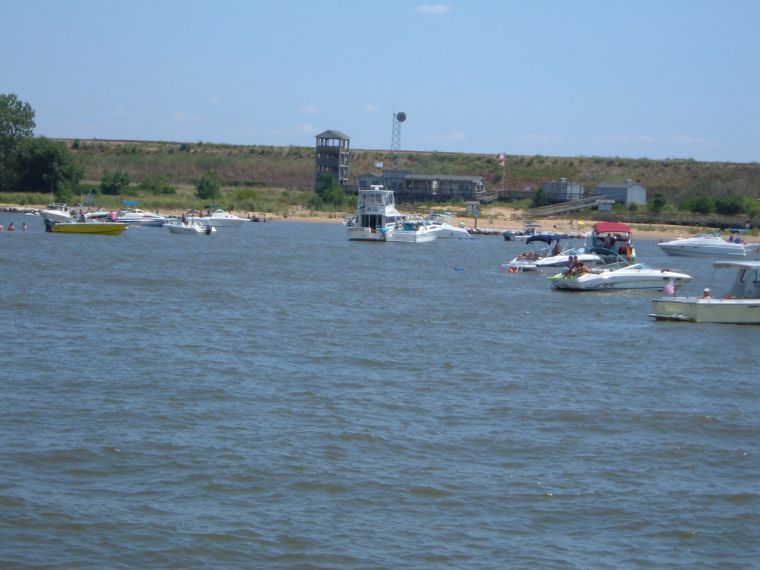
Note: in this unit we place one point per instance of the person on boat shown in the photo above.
(706, 294)
(556, 248)
(112, 215)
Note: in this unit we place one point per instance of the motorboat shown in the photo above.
(739, 305)
(189, 227)
(441, 224)
(542, 260)
(376, 215)
(101, 228)
(221, 219)
(57, 213)
(703, 245)
(138, 217)
(636, 276)
(412, 231)
(613, 241)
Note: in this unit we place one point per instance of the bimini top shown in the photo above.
(611, 227)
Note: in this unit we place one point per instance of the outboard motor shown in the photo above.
(208, 230)
(49, 225)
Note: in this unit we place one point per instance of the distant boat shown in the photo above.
(101, 228)
(412, 231)
(189, 228)
(702, 246)
(219, 218)
(138, 217)
(376, 215)
(57, 213)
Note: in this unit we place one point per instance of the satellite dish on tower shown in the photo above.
(401, 116)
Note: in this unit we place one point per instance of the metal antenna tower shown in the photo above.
(398, 118)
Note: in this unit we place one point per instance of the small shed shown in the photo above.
(627, 192)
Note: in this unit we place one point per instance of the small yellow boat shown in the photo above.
(102, 228)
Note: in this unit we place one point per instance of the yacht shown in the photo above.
(412, 231)
(703, 245)
(376, 215)
(138, 217)
(441, 224)
(221, 219)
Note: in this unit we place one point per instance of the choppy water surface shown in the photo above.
(278, 397)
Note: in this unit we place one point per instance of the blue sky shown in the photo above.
(635, 78)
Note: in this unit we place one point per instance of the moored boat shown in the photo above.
(636, 276)
(101, 228)
(138, 217)
(376, 215)
(412, 231)
(739, 305)
(220, 219)
(189, 227)
(703, 246)
(57, 213)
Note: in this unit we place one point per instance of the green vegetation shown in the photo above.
(208, 187)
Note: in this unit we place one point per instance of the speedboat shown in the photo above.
(190, 227)
(542, 261)
(613, 241)
(102, 228)
(740, 304)
(636, 276)
(57, 213)
(219, 218)
(703, 245)
(412, 231)
(376, 215)
(440, 223)
(138, 217)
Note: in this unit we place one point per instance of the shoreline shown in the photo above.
(496, 221)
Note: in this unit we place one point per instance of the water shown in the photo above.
(278, 397)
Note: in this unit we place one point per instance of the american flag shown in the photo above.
(670, 288)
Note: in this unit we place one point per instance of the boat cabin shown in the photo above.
(746, 285)
(376, 208)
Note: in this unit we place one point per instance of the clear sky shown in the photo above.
(628, 78)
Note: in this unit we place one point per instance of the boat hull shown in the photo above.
(104, 228)
(411, 237)
(696, 310)
(365, 234)
(599, 283)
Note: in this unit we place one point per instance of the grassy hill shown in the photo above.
(292, 168)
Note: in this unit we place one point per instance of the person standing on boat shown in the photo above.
(556, 248)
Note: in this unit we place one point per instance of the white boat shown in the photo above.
(376, 215)
(441, 224)
(57, 213)
(179, 227)
(542, 261)
(412, 231)
(636, 276)
(740, 304)
(703, 245)
(138, 217)
(221, 219)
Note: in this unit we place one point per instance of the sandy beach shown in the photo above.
(493, 221)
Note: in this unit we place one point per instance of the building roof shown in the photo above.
(331, 134)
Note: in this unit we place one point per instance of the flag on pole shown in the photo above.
(670, 288)
(502, 159)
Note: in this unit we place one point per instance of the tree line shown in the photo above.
(30, 163)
